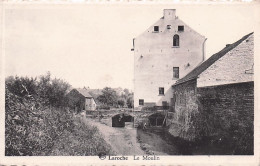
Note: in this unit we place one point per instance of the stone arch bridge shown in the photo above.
(154, 118)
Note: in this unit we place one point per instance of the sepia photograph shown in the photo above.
(128, 81)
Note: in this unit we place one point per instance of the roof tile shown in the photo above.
(204, 65)
(84, 92)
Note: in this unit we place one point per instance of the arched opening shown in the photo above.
(121, 120)
(157, 120)
(176, 40)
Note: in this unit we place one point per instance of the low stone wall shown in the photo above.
(222, 113)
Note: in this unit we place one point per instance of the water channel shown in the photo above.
(158, 141)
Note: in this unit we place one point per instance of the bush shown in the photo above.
(37, 120)
(30, 130)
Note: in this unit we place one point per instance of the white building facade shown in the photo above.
(165, 52)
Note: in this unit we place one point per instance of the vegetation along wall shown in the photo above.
(185, 108)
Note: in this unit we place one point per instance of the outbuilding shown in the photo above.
(80, 99)
(219, 95)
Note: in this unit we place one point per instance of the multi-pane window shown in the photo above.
(161, 90)
(176, 40)
(175, 72)
(180, 28)
(141, 101)
(156, 28)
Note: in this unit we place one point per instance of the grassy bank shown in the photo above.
(48, 131)
(38, 123)
(85, 140)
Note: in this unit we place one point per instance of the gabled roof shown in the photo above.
(161, 21)
(84, 92)
(204, 65)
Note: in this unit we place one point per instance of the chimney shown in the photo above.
(169, 14)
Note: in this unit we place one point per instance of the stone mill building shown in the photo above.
(165, 52)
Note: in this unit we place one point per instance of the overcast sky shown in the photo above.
(89, 45)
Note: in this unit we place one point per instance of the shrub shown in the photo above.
(37, 120)
(30, 130)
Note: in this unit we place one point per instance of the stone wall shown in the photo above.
(232, 102)
(222, 113)
(227, 114)
(186, 107)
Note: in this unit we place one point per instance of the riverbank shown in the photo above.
(122, 140)
(155, 141)
(84, 140)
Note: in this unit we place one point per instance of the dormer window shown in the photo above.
(156, 28)
(168, 26)
(180, 28)
(176, 42)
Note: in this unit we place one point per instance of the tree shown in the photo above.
(21, 86)
(126, 91)
(130, 100)
(108, 97)
(53, 91)
(121, 102)
(57, 92)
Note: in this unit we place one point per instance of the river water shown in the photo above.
(158, 141)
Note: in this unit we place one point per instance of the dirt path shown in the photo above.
(122, 140)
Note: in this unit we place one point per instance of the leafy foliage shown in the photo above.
(108, 97)
(37, 118)
(30, 127)
(121, 102)
(111, 98)
(53, 90)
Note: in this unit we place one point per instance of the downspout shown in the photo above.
(203, 50)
